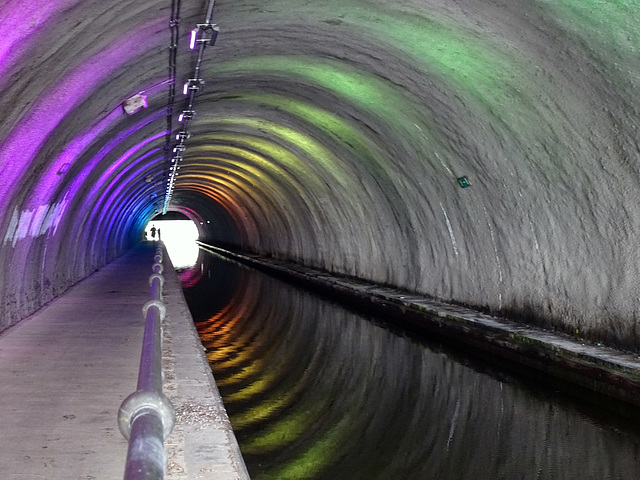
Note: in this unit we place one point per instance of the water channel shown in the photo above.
(316, 391)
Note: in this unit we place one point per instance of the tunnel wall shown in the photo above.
(536, 110)
(80, 178)
(336, 134)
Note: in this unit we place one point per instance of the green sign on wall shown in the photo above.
(464, 182)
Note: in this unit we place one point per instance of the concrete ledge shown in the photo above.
(596, 368)
(202, 445)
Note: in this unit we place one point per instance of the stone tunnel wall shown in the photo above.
(335, 134)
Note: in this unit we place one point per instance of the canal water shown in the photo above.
(316, 391)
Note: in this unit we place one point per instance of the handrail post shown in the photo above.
(146, 417)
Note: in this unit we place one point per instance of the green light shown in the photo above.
(288, 428)
(287, 166)
(314, 150)
(366, 91)
(318, 457)
(328, 122)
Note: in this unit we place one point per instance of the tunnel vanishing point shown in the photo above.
(479, 152)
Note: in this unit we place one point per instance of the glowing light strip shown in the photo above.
(193, 85)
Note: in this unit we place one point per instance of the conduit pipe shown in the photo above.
(194, 85)
(146, 417)
(174, 24)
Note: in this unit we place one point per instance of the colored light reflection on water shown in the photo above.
(315, 391)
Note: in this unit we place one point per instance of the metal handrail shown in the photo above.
(146, 417)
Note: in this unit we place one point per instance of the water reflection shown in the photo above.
(317, 392)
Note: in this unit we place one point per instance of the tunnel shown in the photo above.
(478, 152)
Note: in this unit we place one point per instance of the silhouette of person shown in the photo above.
(153, 232)
(159, 234)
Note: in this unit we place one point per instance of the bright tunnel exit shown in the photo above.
(179, 236)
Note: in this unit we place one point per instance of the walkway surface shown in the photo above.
(65, 371)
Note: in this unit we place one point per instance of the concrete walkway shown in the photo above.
(65, 370)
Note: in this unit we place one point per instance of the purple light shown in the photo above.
(94, 201)
(43, 191)
(194, 34)
(129, 153)
(116, 196)
(20, 21)
(114, 185)
(106, 150)
(27, 138)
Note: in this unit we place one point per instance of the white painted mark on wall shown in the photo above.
(533, 232)
(15, 217)
(535, 238)
(34, 222)
(443, 164)
(495, 251)
(453, 239)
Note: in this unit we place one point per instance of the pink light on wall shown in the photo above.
(27, 138)
(19, 21)
(41, 212)
(128, 154)
(118, 183)
(54, 174)
(122, 195)
(89, 166)
(93, 197)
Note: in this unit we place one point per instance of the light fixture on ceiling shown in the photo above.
(192, 85)
(204, 33)
(186, 115)
(134, 104)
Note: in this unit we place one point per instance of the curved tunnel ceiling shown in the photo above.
(334, 134)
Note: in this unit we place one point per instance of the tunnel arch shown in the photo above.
(333, 134)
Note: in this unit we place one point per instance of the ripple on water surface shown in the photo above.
(315, 391)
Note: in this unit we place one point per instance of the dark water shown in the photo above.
(315, 391)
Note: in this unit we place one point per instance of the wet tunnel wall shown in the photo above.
(475, 151)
